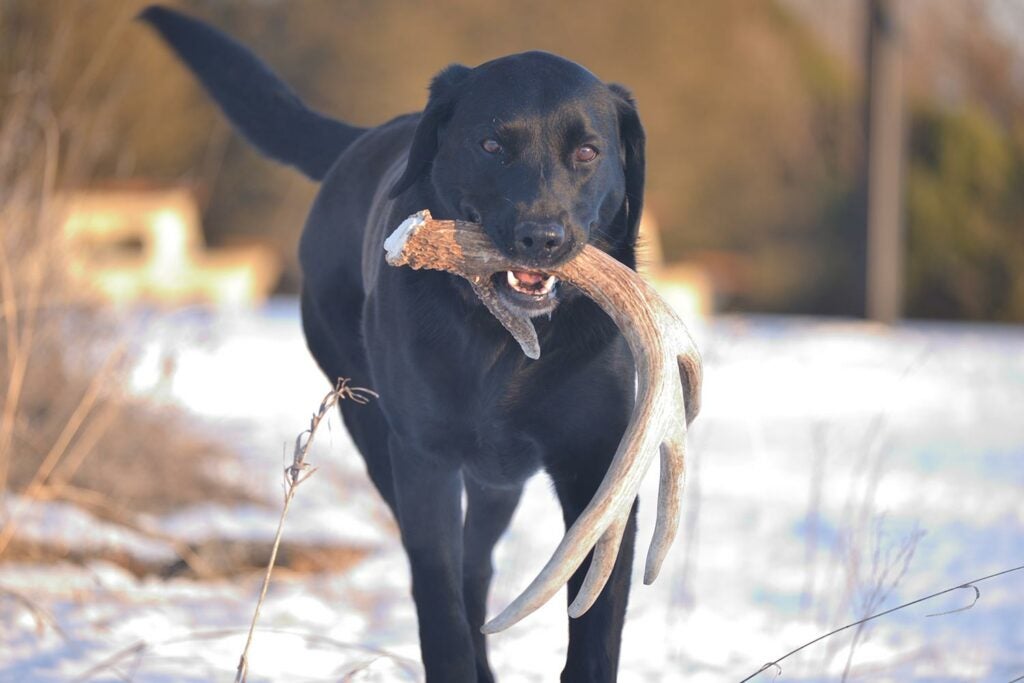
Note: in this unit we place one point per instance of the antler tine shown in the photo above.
(673, 454)
(673, 449)
(606, 552)
(612, 501)
(666, 362)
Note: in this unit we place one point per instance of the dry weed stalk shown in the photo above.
(296, 473)
(888, 567)
(61, 447)
(60, 403)
(27, 226)
(40, 615)
(36, 162)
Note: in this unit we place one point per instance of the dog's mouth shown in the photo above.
(534, 293)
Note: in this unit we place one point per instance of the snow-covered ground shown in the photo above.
(837, 469)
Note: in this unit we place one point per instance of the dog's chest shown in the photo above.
(493, 422)
(508, 443)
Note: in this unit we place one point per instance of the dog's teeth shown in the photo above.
(547, 285)
(543, 288)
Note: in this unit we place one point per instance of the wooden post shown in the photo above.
(885, 148)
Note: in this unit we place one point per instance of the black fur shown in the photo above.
(461, 408)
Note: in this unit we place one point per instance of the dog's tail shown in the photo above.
(257, 102)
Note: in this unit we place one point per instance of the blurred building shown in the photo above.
(130, 246)
(688, 285)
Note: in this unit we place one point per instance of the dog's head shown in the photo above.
(543, 154)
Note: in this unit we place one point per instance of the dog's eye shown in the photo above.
(586, 154)
(491, 146)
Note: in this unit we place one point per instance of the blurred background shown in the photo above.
(841, 159)
(757, 115)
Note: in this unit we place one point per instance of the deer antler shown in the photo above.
(666, 360)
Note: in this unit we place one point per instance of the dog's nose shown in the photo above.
(539, 243)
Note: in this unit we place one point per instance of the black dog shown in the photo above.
(547, 158)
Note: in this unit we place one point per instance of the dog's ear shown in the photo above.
(633, 140)
(443, 94)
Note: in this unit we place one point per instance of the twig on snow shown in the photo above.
(296, 473)
(774, 664)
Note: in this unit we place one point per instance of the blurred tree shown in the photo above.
(966, 217)
(98, 68)
(965, 194)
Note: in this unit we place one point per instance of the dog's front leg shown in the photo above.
(429, 496)
(595, 637)
(488, 513)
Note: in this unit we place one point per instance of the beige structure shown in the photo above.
(686, 286)
(130, 246)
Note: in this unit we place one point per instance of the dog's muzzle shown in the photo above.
(532, 292)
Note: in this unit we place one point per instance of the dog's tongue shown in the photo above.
(528, 278)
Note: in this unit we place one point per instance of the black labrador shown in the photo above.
(547, 158)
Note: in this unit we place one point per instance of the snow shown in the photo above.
(321, 524)
(822, 451)
(62, 525)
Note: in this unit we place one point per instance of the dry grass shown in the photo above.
(68, 429)
(152, 461)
